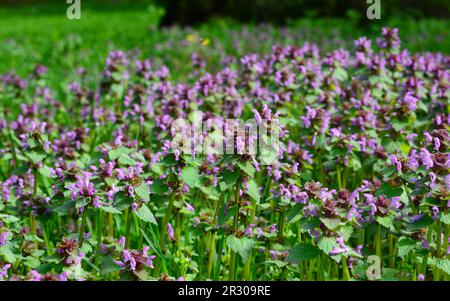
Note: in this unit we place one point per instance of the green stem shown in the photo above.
(212, 253)
(165, 222)
(346, 272)
(391, 250)
(110, 226)
(81, 232)
(281, 225)
(232, 267)
(212, 248)
(425, 260)
(128, 228)
(99, 228)
(339, 179)
(46, 240)
(378, 242)
(411, 202)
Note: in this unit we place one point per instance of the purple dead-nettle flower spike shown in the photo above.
(424, 243)
(4, 271)
(273, 254)
(359, 249)
(435, 211)
(395, 202)
(134, 206)
(249, 230)
(189, 207)
(4, 238)
(437, 143)
(131, 190)
(432, 176)
(128, 258)
(196, 221)
(258, 118)
(111, 192)
(428, 138)
(326, 195)
(170, 231)
(35, 276)
(410, 137)
(83, 187)
(413, 162)
(122, 241)
(396, 162)
(447, 181)
(273, 228)
(410, 102)
(426, 159)
(260, 232)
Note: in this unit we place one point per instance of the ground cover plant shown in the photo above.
(92, 189)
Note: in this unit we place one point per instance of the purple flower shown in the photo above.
(410, 102)
(4, 238)
(435, 211)
(4, 271)
(170, 231)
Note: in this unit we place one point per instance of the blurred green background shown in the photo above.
(169, 31)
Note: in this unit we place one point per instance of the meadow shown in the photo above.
(92, 187)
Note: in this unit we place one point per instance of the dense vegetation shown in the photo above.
(91, 187)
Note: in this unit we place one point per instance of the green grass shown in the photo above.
(42, 34)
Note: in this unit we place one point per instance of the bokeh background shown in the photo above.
(183, 33)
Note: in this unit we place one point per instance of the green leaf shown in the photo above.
(31, 262)
(386, 221)
(301, 252)
(65, 207)
(143, 191)
(330, 223)
(8, 218)
(110, 209)
(346, 231)
(45, 171)
(398, 125)
(190, 176)
(7, 254)
(117, 152)
(327, 244)
(243, 246)
(35, 156)
(81, 202)
(294, 213)
(146, 215)
(108, 265)
(389, 274)
(247, 167)
(125, 159)
(405, 245)
(340, 74)
(422, 223)
(309, 223)
(389, 191)
(123, 201)
(443, 264)
(390, 145)
(253, 191)
(445, 218)
(229, 179)
(158, 187)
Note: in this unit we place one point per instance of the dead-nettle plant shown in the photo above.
(256, 137)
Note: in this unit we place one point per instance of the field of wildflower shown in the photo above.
(356, 186)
